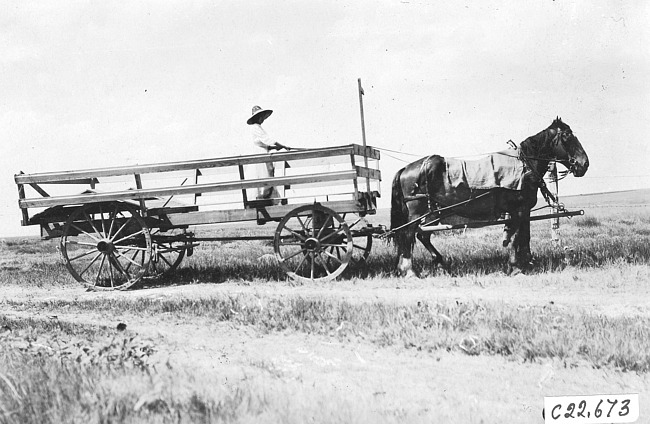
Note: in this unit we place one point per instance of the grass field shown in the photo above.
(229, 339)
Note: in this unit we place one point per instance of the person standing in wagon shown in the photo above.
(262, 140)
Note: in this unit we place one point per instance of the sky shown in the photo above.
(89, 84)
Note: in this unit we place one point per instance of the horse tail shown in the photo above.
(398, 210)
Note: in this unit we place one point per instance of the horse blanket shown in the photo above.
(501, 169)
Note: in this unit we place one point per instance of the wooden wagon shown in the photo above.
(134, 221)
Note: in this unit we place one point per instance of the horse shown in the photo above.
(421, 194)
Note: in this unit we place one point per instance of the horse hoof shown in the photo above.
(407, 274)
(514, 271)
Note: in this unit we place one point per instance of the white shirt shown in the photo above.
(261, 138)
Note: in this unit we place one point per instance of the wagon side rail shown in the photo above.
(152, 200)
(88, 176)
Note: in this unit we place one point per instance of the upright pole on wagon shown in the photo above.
(363, 133)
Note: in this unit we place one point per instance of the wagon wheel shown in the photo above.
(106, 246)
(169, 249)
(313, 243)
(361, 243)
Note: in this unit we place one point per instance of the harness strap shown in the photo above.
(548, 196)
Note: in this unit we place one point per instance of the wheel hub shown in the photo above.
(105, 246)
(312, 244)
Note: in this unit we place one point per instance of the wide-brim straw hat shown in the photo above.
(258, 113)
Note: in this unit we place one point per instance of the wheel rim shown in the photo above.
(313, 243)
(106, 246)
(361, 243)
(168, 251)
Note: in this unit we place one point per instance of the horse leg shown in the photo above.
(425, 239)
(508, 232)
(512, 230)
(405, 242)
(524, 256)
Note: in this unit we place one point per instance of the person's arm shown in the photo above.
(262, 139)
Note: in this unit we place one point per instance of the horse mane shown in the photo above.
(532, 144)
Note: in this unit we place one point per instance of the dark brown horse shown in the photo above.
(421, 188)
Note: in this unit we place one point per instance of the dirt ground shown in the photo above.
(363, 381)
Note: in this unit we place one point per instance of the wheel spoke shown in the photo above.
(110, 229)
(324, 263)
(302, 225)
(90, 264)
(130, 236)
(293, 255)
(121, 228)
(90, 221)
(128, 259)
(86, 233)
(142, 249)
(341, 245)
(313, 260)
(110, 269)
(120, 268)
(82, 255)
(304, 258)
(99, 272)
(101, 213)
(332, 256)
(135, 254)
(291, 244)
(300, 236)
(339, 231)
(324, 226)
(80, 243)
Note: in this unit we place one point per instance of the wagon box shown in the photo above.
(133, 221)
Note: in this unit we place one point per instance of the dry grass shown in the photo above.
(56, 371)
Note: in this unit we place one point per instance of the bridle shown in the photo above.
(560, 138)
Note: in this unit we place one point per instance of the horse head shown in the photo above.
(567, 148)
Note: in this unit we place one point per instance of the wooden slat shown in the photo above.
(371, 153)
(81, 181)
(371, 174)
(39, 190)
(199, 188)
(53, 177)
(23, 210)
(138, 185)
(243, 192)
(238, 215)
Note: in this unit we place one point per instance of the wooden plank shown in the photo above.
(241, 177)
(239, 215)
(81, 181)
(138, 185)
(199, 188)
(21, 197)
(54, 177)
(368, 151)
(369, 173)
(39, 190)
(197, 174)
